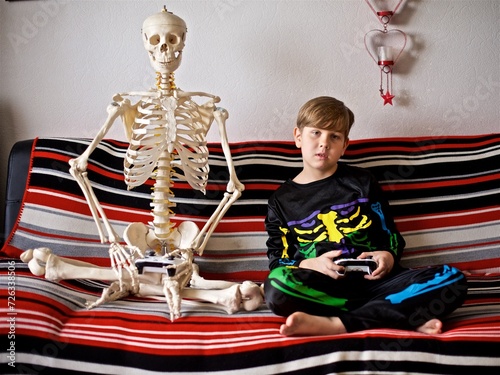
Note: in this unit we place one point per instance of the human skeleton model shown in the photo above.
(166, 129)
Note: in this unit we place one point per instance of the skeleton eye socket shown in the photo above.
(173, 39)
(154, 40)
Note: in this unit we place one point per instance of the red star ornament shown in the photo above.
(387, 97)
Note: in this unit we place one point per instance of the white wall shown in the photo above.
(61, 62)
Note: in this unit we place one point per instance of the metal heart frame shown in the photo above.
(394, 38)
(385, 15)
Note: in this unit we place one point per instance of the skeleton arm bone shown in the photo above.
(96, 210)
(79, 166)
(233, 189)
(234, 184)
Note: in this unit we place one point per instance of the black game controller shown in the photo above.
(158, 264)
(357, 265)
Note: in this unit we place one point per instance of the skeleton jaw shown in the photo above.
(165, 65)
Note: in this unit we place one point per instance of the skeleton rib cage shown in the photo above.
(168, 143)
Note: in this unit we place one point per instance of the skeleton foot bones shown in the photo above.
(167, 132)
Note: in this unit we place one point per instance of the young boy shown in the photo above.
(330, 211)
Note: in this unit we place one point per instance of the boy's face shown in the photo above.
(321, 149)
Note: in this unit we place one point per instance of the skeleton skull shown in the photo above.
(164, 34)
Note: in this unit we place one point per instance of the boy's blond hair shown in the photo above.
(325, 112)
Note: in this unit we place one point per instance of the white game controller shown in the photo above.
(357, 265)
(158, 264)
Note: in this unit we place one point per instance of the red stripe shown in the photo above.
(483, 301)
(151, 333)
(242, 224)
(415, 146)
(50, 155)
(254, 334)
(261, 186)
(249, 333)
(475, 264)
(74, 204)
(214, 256)
(444, 249)
(490, 323)
(448, 219)
(467, 265)
(256, 276)
(56, 236)
(391, 186)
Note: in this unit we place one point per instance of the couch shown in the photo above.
(445, 196)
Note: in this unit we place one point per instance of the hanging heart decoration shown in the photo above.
(394, 39)
(385, 47)
(384, 9)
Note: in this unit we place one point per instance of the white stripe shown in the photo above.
(105, 146)
(242, 242)
(422, 218)
(478, 254)
(376, 357)
(422, 159)
(465, 234)
(160, 339)
(453, 197)
(160, 343)
(58, 221)
(65, 243)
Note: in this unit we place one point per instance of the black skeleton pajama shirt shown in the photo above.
(347, 211)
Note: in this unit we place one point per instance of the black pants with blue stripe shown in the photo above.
(405, 299)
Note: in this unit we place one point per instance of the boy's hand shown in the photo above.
(385, 263)
(325, 264)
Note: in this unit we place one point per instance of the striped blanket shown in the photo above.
(445, 197)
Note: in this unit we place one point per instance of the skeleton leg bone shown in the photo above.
(233, 299)
(198, 282)
(56, 268)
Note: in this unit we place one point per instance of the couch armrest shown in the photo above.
(17, 174)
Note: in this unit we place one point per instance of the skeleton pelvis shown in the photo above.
(144, 238)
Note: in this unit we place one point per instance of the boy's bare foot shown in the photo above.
(431, 327)
(300, 323)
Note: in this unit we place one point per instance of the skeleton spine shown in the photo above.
(161, 197)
